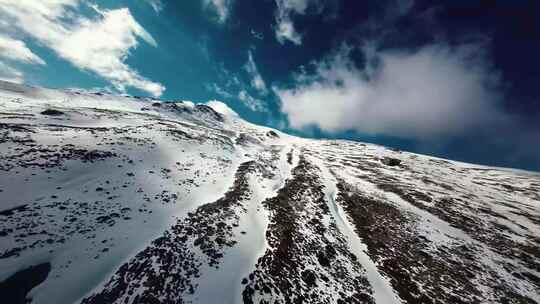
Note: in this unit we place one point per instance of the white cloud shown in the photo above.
(285, 31)
(232, 83)
(257, 82)
(218, 90)
(252, 103)
(157, 5)
(286, 9)
(17, 50)
(220, 7)
(100, 44)
(8, 73)
(435, 91)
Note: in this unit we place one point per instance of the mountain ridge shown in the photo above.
(132, 201)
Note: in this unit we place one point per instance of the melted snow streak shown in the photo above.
(107, 199)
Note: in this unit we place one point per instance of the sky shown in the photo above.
(454, 79)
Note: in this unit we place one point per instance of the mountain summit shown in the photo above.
(119, 199)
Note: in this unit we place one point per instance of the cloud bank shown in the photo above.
(8, 73)
(434, 91)
(100, 44)
(16, 50)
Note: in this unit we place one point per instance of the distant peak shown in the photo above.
(221, 108)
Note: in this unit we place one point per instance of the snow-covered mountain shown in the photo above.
(107, 199)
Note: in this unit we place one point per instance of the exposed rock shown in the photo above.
(272, 134)
(389, 161)
(52, 112)
(15, 288)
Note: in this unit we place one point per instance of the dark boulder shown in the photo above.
(52, 112)
(272, 134)
(389, 161)
(309, 277)
(323, 259)
(16, 287)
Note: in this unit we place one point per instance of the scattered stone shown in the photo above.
(52, 112)
(272, 134)
(389, 161)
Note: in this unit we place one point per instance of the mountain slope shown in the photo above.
(107, 199)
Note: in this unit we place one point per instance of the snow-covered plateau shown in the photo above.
(119, 199)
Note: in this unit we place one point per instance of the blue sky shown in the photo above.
(456, 79)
